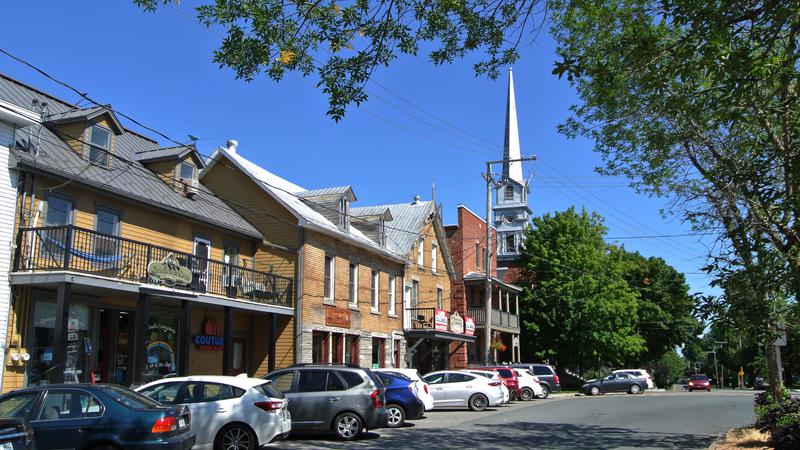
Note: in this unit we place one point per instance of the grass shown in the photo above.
(742, 438)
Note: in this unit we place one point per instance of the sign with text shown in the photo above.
(210, 339)
(337, 317)
(440, 320)
(456, 323)
(169, 271)
(469, 326)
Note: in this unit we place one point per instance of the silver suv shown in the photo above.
(340, 399)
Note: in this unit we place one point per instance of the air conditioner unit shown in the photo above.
(191, 187)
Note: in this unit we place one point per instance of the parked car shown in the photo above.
(227, 412)
(510, 379)
(423, 390)
(455, 389)
(401, 398)
(493, 376)
(98, 416)
(548, 378)
(16, 434)
(529, 385)
(330, 398)
(639, 373)
(615, 382)
(760, 384)
(699, 382)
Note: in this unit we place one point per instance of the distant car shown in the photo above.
(16, 434)
(760, 384)
(529, 385)
(639, 373)
(509, 377)
(699, 382)
(454, 389)
(548, 378)
(98, 416)
(227, 412)
(423, 390)
(401, 399)
(332, 398)
(494, 376)
(615, 382)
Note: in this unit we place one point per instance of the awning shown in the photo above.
(429, 333)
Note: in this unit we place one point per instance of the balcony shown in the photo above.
(501, 320)
(438, 320)
(74, 249)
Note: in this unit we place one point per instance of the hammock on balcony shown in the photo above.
(91, 257)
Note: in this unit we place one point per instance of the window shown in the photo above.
(353, 282)
(511, 245)
(128, 398)
(506, 373)
(344, 213)
(382, 232)
(378, 352)
(509, 193)
(19, 405)
(376, 275)
(459, 378)
(337, 340)
(268, 390)
(437, 378)
(439, 302)
(415, 293)
(166, 393)
(351, 379)
(319, 347)
(421, 253)
(106, 223)
(478, 256)
(351, 349)
(434, 254)
(391, 299)
(483, 256)
(59, 211)
(186, 171)
(100, 140)
(312, 381)
(282, 382)
(60, 405)
(327, 290)
(334, 383)
(209, 392)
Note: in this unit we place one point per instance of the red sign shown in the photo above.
(440, 320)
(210, 339)
(469, 326)
(337, 317)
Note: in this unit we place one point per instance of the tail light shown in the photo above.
(495, 383)
(556, 380)
(270, 407)
(165, 425)
(426, 387)
(376, 399)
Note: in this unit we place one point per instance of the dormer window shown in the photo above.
(100, 139)
(344, 213)
(186, 171)
(382, 232)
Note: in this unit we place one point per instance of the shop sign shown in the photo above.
(337, 317)
(469, 326)
(210, 339)
(440, 320)
(456, 323)
(169, 271)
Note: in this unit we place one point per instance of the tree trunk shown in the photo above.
(772, 367)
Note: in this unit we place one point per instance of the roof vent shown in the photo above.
(416, 200)
(232, 144)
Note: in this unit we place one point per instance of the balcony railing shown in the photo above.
(503, 319)
(70, 248)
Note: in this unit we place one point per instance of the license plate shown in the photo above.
(181, 424)
(6, 446)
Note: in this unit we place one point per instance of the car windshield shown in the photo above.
(129, 398)
(698, 378)
(268, 390)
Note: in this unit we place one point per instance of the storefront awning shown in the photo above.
(438, 335)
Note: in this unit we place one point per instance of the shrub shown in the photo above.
(780, 418)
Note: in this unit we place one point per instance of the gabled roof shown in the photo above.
(77, 115)
(165, 153)
(126, 178)
(372, 211)
(339, 190)
(287, 194)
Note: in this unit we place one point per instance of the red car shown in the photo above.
(509, 378)
(699, 382)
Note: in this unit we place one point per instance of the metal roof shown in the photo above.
(338, 190)
(75, 115)
(178, 151)
(367, 211)
(126, 177)
(480, 276)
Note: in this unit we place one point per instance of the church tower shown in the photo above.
(511, 211)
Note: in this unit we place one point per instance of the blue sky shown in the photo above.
(158, 69)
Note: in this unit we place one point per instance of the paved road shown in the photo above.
(648, 421)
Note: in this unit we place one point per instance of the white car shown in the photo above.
(456, 389)
(529, 384)
(226, 410)
(493, 376)
(638, 373)
(423, 390)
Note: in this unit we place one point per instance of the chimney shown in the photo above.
(232, 144)
(416, 200)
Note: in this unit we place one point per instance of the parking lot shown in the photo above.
(652, 420)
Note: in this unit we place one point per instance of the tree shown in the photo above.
(698, 101)
(668, 368)
(580, 311)
(342, 43)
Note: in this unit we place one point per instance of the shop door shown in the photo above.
(239, 356)
(115, 347)
(202, 251)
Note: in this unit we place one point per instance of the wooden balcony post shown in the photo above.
(68, 247)
(142, 336)
(227, 346)
(60, 333)
(184, 340)
(18, 249)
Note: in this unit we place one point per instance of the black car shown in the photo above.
(17, 434)
(548, 378)
(615, 382)
(95, 416)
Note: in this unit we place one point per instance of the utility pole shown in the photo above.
(487, 266)
(716, 370)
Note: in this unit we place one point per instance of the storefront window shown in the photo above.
(319, 347)
(79, 347)
(378, 353)
(161, 345)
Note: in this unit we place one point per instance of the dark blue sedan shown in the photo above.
(401, 401)
(98, 416)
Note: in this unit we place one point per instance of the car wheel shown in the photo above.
(594, 390)
(478, 402)
(527, 393)
(512, 396)
(397, 416)
(545, 392)
(347, 426)
(635, 389)
(235, 437)
(690, 389)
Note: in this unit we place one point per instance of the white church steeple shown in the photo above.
(511, 150)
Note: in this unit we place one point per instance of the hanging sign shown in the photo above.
(169, 271)
(456, 323)
(209, 340)
(469, 326)
(440, 320)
